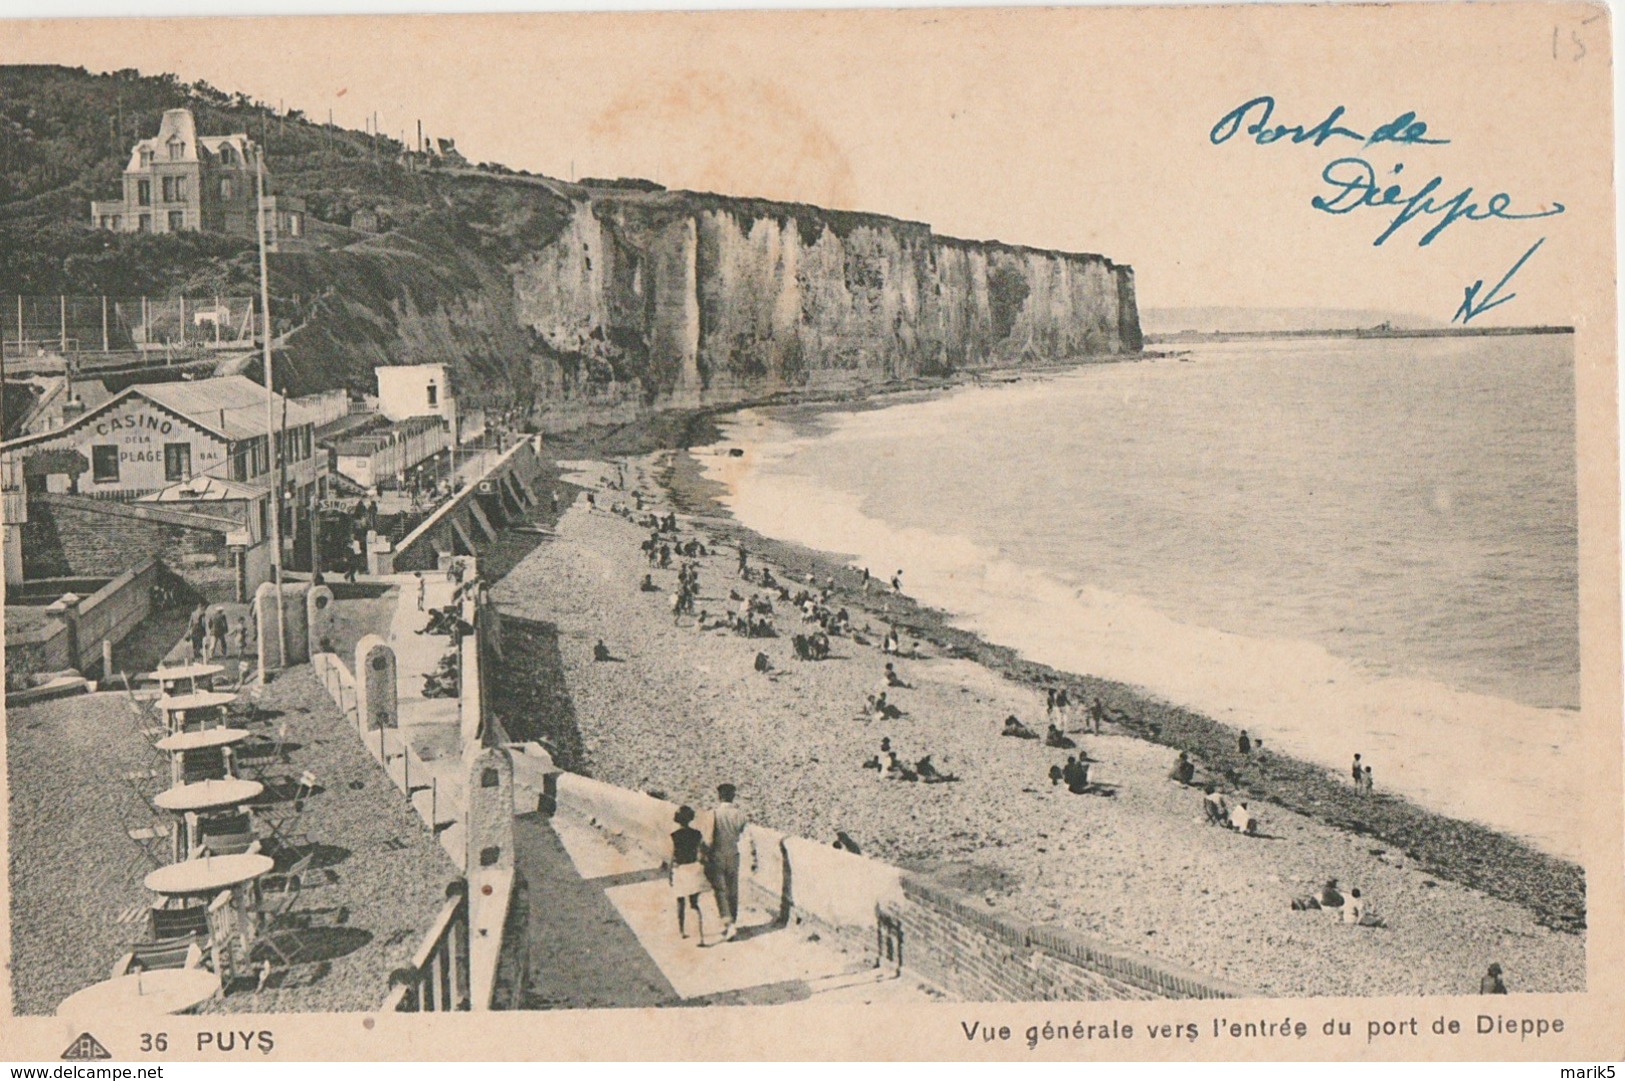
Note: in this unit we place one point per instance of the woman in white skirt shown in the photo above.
(688, 881)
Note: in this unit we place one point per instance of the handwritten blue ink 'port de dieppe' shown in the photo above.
(1355, 186)
(1472, 306)
(1404, 129)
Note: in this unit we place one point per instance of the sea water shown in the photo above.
(1342, 546)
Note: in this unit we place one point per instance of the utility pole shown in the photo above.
(270, 415)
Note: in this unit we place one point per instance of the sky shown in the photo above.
(1082, 130)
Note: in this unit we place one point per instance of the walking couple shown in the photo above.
(708, 868)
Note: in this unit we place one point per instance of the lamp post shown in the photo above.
(271, 444)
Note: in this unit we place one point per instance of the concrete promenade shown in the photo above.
(601, 923)
(768, 963)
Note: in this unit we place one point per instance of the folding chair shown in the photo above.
(259, 757)
(144, 783)
(141, 713)
(155, 841)
(245, 708)
(282, 820)
(280, 929)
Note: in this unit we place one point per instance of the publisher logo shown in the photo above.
(85, 1048)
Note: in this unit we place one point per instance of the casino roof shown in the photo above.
(231, 407)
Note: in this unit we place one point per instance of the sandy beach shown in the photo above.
(681, 709)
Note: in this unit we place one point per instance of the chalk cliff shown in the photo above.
(600, 303)
(719, 298)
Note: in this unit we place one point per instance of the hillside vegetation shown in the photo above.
(569, 302)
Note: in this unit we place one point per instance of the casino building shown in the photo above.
(151, 436)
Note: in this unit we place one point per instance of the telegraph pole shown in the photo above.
(271, 443)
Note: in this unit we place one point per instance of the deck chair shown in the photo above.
(238, 821)
(235, 843)
(228, 938)
(152, 956)
(165, 924)
(204, 764)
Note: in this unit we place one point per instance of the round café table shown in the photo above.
(143, 994)
(181, 742)
(176, 707)
(190, 673)
(203, 796)
(207, 795)
(210, 874)
(197, 741)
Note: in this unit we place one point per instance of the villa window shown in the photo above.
(225, 187)
(143, 192)
(144, 223)
(177, 150)
(104, 464)
(177, 220)
(434, 395)
(146, 159)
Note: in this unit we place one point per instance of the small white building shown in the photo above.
(416, 390)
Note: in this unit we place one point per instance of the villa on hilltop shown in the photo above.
(179, 181)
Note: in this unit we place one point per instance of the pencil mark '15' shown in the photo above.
(1573, 49)
(1355, 186)
(1405, 128)
(1472, 306)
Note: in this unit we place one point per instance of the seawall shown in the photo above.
(901, 921)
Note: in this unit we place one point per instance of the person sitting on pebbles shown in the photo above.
(1184, 771)
(1016, 730)
(600, 652)
(1329, 897)
(1076, 775)
(1215, 807)
(1242, 820)
(1056, 738)
(892, 678)
(882, 710)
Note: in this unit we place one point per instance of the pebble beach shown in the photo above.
(681, 709)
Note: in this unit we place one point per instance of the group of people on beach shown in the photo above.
(1058, 708)
(1361, 775)
(891, 767)
(705, 864)
(703, 868)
